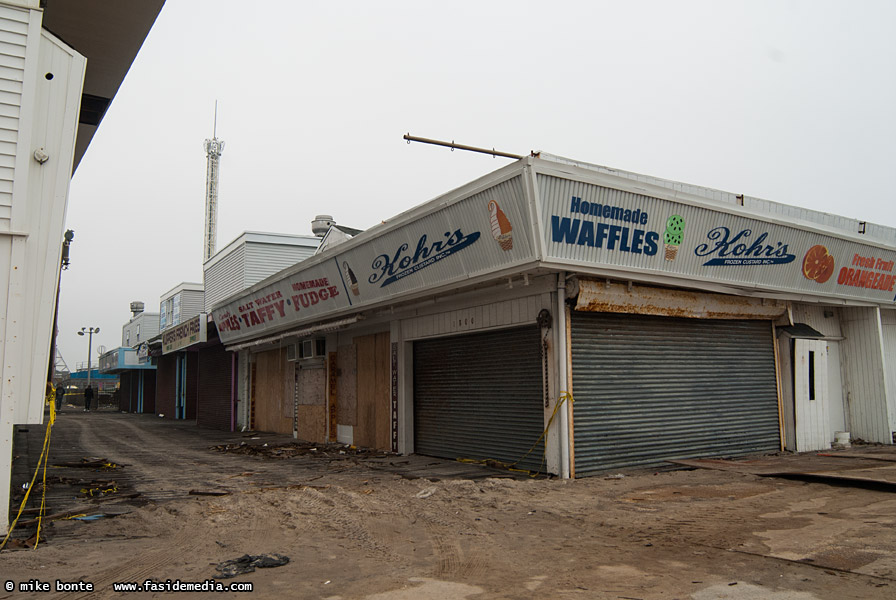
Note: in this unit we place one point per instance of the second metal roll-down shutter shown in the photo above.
(480, 396)
(648, 389)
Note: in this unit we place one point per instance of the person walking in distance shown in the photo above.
(88, 396)
(60, 395)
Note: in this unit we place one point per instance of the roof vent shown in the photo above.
(137, 308)
(321, 224)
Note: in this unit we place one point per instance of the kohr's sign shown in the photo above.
(389, 268)
(743, 248)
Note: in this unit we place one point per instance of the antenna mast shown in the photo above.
(213, 149)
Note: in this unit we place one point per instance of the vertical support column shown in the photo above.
(6, 429)
(562, 368)
(234, 383)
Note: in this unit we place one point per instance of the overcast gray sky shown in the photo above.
(788, 100)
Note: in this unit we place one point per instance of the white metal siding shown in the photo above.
(149, 328)
(880, 232)
(813, 316)
(13, 39)
(866, 382)
(888, 320)
(263, 260)
(225, 277)
(487, 315)
(48, 120)
(192, 302)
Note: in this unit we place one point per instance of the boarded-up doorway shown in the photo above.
(274, 392)
(373, 428)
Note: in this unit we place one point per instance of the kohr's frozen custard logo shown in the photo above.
(389, 268)
(742, 249)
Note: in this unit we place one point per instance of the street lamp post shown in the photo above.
(89, 331)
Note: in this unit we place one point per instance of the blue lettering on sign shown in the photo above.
(735, 251)
(389, 269)
(602, 235)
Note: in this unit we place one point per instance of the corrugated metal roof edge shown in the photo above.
(887, 234)
(644, 188)
(262, 237)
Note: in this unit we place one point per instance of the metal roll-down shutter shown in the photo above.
(480, 396)
(648, 389)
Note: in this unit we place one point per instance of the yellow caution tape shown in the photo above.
(51, 393)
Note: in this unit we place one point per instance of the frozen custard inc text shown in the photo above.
(585, 228)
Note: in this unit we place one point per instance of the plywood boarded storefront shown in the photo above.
(310, 398)
(373, 416)
(274, 392)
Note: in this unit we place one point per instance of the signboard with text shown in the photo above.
(581, 223)
(483, 232)
(595, 225)
(186, 334)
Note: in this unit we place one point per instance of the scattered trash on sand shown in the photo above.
(426, 493)
(247, 564)
(290, 450)
(90, 463)
(209, 493)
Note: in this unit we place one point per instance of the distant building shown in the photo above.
(251, 257)
(181, 303)
(142, 327)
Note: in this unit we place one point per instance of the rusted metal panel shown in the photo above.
(600, 296)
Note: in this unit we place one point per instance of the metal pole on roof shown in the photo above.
(412, 138)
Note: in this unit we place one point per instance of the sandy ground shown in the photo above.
(365, 527)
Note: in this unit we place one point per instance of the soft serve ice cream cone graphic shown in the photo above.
(350, 275)
(501, 229)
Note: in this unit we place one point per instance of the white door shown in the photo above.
(839, 411)
(811, 400)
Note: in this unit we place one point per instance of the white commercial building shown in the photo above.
(684, 321)
(54, 90)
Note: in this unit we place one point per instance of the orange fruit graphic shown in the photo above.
(818, 264)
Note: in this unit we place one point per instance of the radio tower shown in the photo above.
(213, 149)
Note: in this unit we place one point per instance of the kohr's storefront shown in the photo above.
(567, 318)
